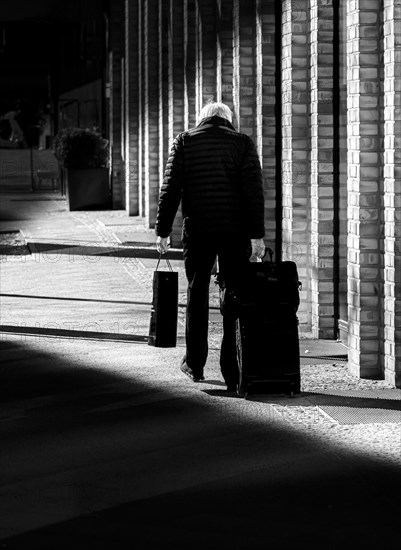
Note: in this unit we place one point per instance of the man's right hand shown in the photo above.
(162, 244)
(258, 249)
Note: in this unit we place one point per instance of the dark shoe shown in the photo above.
(194, 377)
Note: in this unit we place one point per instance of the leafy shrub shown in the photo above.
(81, 148)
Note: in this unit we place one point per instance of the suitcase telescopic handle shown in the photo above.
(270, 251)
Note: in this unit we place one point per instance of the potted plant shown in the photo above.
(83, 155)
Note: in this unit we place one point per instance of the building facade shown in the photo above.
(317, 85)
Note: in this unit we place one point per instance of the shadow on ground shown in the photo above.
(214, 477)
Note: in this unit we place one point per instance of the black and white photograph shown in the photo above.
(200, 274)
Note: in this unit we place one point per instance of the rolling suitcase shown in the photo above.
(267, 330)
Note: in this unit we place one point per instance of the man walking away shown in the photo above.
(214, 171)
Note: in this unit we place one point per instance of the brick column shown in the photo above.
(364, 193)
(176, 88)
(296, 142)
(133, 156)
(321, 258)
(208, 66)
(266, 129)
(198, 61)
(392, 192)
(116, 53)
(259, 77)
(226, 44)
(190, 62)
(236, 64)
(244, 69)
(151, 106)
(219, 51)
(164, 67)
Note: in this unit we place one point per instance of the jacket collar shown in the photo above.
(217, 121)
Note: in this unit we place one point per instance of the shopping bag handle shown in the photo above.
(167, 260)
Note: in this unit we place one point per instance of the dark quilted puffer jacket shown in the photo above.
(215, 171)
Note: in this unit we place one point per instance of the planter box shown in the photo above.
(88, 188)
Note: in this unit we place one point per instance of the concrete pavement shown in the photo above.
(105, 443)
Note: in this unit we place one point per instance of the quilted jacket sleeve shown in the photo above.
(252, 183)
(171, 190)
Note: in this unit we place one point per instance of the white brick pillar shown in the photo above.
(266, 121)
(208, 79)
(190, 62)
(226, 45)
(364, 193)
(176, 88)
(151, 106)
(244, 67)
(116, 112)
(133, 106)
(321, 260)
(296, 142)
(163, 39)
(236, 64)
(392, 191)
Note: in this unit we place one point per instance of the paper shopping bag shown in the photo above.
(164, 312)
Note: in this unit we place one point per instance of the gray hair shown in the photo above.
(216, 109)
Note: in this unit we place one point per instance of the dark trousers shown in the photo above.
(199, 257)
